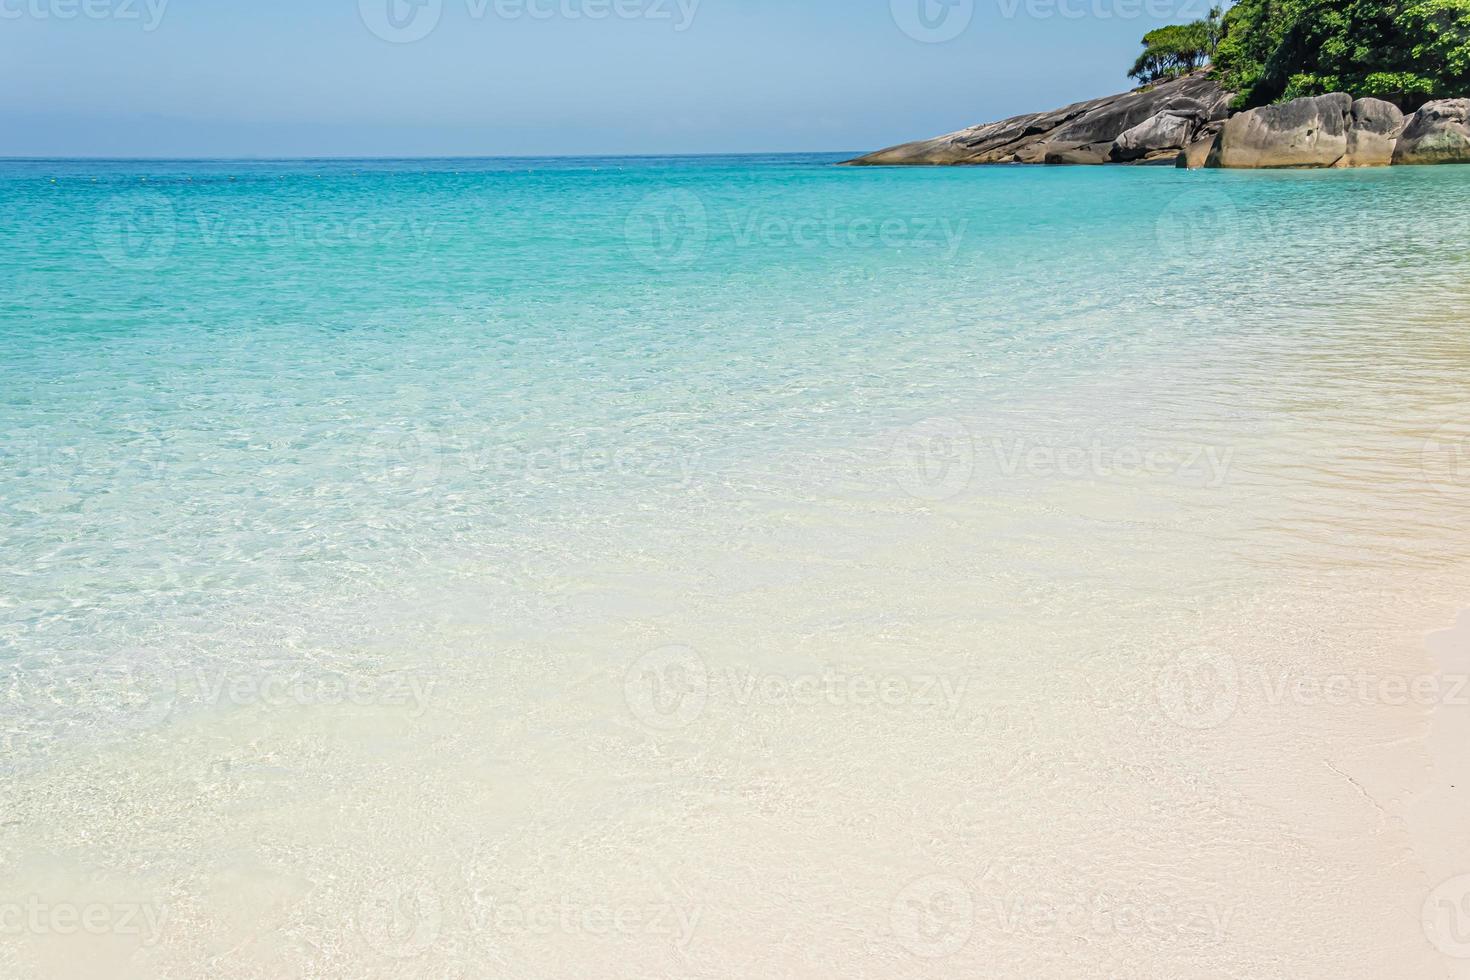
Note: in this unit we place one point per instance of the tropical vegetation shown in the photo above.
(1177, 49)
(1406, 51)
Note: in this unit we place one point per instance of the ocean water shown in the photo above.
(729, 566)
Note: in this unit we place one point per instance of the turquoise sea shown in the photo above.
(370, 526)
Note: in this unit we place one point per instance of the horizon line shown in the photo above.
(417, 157)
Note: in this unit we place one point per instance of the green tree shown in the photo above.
(1174, 50)
(1407, 51)
(1438, 34)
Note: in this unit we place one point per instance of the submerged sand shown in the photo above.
(1177, 723)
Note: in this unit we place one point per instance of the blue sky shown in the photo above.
(494, 77)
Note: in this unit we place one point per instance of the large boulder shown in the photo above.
(1169, 132)
(1198, 95)
(1063, 134)
(1374, 129)
(1437, 133)
(1088, 154)
(1310, 132)
(1197, 152)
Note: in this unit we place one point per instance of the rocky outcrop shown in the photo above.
(1319, 131)
(1087, 132)
(1310, 132)
(1197, 153)
(1088, 155)
(1437, 133)
(1374, 129)
(1188, 121)
(1165, 133)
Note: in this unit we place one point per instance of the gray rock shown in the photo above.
(1377, 116)
(1089, 154)
(1169, 132)
(1197, 153)
(1188, 121)
(1196, 95)
(1061, 133)
(1310, 132)
(1374, 129)
(1437, 133)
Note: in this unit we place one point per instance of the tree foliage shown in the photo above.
(1176, 50)
(1407, 51)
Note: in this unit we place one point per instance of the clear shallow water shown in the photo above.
(480, 436)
